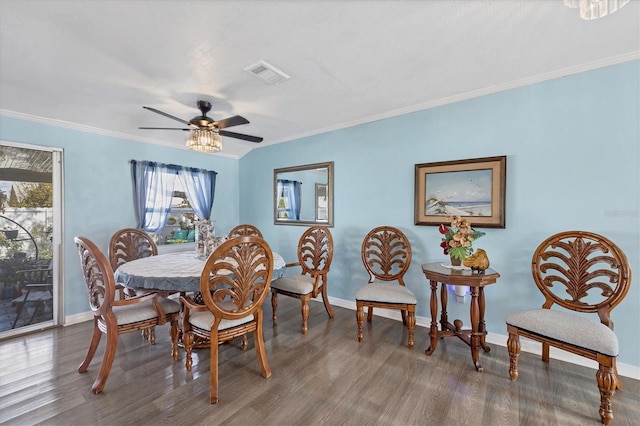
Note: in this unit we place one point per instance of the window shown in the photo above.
(179, 227)
(169, 198)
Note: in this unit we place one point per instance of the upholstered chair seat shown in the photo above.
(204, 319)
(130, 314)
(386, 293)
(298, 284)
(567, 328)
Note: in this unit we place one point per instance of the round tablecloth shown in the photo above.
(172, 272)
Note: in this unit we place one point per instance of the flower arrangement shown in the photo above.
(458, 237)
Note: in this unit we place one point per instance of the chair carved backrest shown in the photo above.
(98, 278)
(243, 230)
(386, 254)
(129, 244)
(588, 267)
(315, 250)
(238, 271)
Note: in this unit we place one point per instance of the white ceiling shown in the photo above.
(94, 64)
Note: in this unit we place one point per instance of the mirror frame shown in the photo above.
(329, 222)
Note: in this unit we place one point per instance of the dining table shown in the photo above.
(172, 272)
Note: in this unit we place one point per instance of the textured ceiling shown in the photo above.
(94, 64)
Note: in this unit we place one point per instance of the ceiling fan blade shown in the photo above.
(249, 138)
(236, 120)
(157, 111)
(164, 128)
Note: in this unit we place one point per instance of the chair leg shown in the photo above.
(369, 313)
(274, 306)
(107, 360)
(325, 299)
(411, 324)
(258, 340)
(403, 314)
(213, 368)
(245, 342)
(607, 381)
(187, 341)
(95, 340)
(545, 352)
(305, 314)
(174, 332)
(513, 346)
(152, 335)
(360, 320)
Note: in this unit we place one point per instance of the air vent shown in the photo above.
(267, 73)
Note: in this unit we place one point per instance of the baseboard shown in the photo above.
(78, 318)
(625, 370)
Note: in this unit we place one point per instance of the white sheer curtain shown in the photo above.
(153, 185)
(199, 186)
(152, 193)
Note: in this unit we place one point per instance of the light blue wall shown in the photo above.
(573, 163)
(573, 160)
(97, 181)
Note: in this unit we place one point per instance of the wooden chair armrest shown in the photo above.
(191, 304)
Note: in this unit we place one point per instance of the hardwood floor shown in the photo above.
(325, 377)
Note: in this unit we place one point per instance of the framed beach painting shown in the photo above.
(473, 189)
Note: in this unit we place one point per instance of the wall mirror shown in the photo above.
(303, 195)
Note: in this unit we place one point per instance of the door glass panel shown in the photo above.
(26, 238)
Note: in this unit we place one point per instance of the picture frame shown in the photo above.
(473, 189)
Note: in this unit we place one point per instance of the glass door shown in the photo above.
(30, 222)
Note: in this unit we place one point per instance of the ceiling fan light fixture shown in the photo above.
(594, 9)
(203, 140)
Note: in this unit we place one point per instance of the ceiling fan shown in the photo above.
(202, 122)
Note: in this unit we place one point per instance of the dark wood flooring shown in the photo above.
(325, 377)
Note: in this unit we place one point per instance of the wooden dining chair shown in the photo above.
(386, 254)
(242, 230)
(581, 272)
(234, 283)
(112, 316)
(315, 253)
(130, 244)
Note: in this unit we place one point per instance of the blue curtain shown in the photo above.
(199, 186)
(153, 185)
(291, 190)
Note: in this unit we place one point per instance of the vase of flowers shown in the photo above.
(457, 239)
(205, 238)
